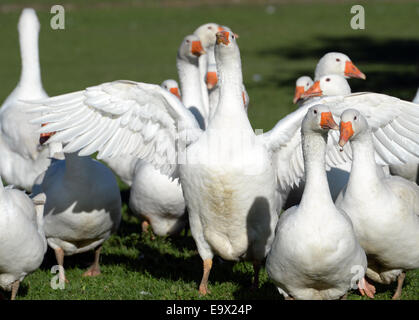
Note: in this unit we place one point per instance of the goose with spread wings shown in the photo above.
(230, 176)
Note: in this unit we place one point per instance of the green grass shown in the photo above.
(118, 41)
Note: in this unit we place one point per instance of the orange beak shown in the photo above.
(244, 98)
(222, 37)
(352, 71)
(211, 79)
(175, 91)
(197, 49)
(299, 90)
(313, 91)
(327, 122)
(45, 136)
(346, 132)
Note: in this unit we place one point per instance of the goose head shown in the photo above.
(225, 28)
(28, 22)
(191, 49)
(206, 34)
(352, 125)
(171, 86)
(337, 63)
(330, 85)
(318, 119)
(301, 85)
(226, 49)
(44, 137)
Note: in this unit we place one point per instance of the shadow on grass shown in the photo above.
(173, 267)
(391, 64)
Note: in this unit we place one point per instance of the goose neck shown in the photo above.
(230, 103)
(31, 71)
(316, 188)
(364, 167)
(190, 85)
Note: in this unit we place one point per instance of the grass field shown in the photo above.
(138, 41)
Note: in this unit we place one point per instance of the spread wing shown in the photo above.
(394, 124)
(120, 118)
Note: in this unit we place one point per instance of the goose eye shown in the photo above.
(337, 59)
(315, 111)
(327, 79)
(355, 117)
(187, 41)
(210, 27)
(232, 36)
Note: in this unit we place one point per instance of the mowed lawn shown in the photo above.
(110, 41)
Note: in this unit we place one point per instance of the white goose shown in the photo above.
(22, 158)
(230, 177)
(384, 209)
(309, 258)
(22, 239)
(83, 205)
(155, 197)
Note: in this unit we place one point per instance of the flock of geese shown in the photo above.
(190, 155)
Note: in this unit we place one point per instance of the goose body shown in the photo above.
(83, 204)
(22, 238)
(157, 199)
(23, 159)
(384, 209)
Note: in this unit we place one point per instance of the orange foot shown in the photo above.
(92, 272)
(366, 289)
(203, 290)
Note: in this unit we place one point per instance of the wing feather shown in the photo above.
(393, 123)
(118, 118)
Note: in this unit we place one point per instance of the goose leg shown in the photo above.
(15, 287)
(256, 268)
(94, 270)
(145, 227)
(400, 280)
(59, 255)
(366, 289)
(203, 287)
